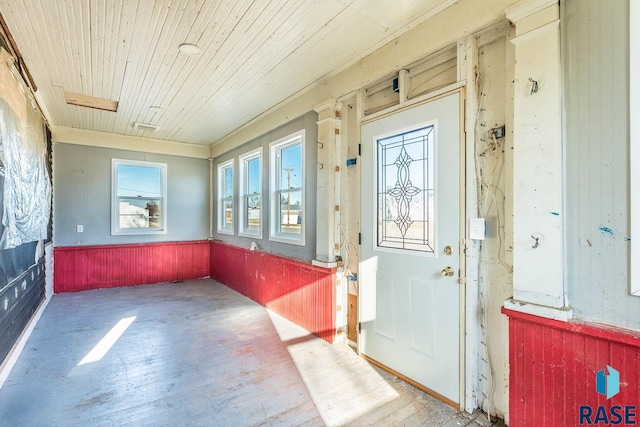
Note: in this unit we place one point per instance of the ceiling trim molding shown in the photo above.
(126, 142)
(525, 8)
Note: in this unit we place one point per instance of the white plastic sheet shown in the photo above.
(27, 189)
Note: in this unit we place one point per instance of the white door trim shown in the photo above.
(470, 398)
(462, 253)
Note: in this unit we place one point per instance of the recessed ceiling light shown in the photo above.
(190, 49)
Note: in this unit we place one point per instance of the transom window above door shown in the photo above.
(406, 205)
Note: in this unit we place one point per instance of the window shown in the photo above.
(225, 200)
(139, 194)
(250, 194)
(287, 189)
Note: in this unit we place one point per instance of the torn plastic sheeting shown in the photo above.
(27, 190)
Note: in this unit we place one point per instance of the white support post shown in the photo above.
(328, 132)
(467, 61)
(538, 263)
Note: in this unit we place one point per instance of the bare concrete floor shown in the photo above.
(198, 353)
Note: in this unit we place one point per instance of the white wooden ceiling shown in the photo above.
(255, 54)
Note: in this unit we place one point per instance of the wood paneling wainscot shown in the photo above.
(82, 268)
(553, 366)
(298, 291)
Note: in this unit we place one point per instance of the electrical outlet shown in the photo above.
(79, 228)
(498, 133)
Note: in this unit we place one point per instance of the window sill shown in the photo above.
(284, 239)
(252, 235)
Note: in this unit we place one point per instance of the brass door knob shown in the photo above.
(448, 250)
(448, 271)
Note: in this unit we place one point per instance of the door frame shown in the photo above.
(465, 341)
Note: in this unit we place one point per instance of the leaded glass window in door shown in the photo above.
(406, 190)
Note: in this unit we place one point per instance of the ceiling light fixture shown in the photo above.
(190, 49)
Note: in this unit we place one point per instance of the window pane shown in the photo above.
(406, 182)
(139, 212)
(227, 206)
(253, 176)
(139, 181)
(228, 182)
(291, 212)
(291, 167)
(253, 210)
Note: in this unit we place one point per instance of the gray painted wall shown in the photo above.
(82, 179)
(307, 252)
(595, 48)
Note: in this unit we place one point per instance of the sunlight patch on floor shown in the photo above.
(98, 352)
(323, 370)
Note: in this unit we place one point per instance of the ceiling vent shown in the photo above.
(90, 101)
(145, 126)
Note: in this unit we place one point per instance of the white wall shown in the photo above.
(598, 242)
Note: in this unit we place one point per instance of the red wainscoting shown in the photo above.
(80, 268)
(553, 367)
(296, 290)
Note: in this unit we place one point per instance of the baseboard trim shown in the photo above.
(413, 383)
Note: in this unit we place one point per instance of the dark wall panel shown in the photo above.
(18, 302)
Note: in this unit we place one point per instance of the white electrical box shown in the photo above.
(79, 228)
(477, 229)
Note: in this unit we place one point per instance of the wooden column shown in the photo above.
(328, 187)
(538, 279)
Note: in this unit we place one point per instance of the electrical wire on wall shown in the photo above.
(489, 168)
(345, 250)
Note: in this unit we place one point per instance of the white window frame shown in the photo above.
(244, 192)
(274, 218)
(115, 202)
(634, 141)
(221, 185)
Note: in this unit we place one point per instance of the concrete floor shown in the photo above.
(198, 353)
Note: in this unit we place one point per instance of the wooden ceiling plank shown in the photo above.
(253, 36)
(161, 65)
(302, 17)
(251, 33)
(139, 40)
(124, 31)
(230, 13)
(33, 45)
(145, 39)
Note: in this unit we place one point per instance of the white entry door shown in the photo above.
(409, 291)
